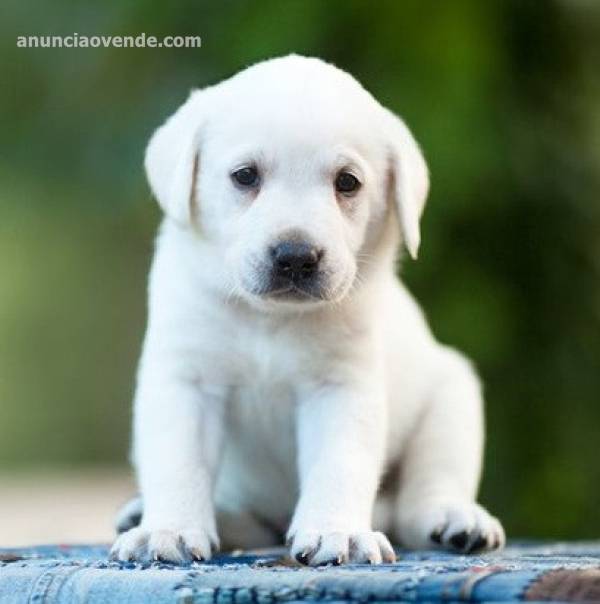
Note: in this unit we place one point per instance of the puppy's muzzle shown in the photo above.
(295, 268)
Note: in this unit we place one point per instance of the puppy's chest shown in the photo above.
(259, 358)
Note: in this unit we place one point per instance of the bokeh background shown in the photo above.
(504, 96)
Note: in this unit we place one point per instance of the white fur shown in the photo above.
(285, 414)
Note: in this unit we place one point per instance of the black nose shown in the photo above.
(295, 260)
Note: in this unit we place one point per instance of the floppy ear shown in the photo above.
(171, 160)
(409, 179)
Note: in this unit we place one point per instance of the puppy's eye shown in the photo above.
(246, 176)
(346, 183)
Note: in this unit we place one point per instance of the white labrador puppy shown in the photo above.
(288, 381)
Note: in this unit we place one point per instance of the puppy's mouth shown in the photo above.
(263, 285)
(294, 293)
(275, 290)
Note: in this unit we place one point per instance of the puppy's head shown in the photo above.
(287, 170)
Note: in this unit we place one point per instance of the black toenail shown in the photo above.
(478, 544)
(332, 562)
(459, 540)
(303, 558)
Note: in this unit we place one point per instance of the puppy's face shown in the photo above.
(289, 175)
(287, 198)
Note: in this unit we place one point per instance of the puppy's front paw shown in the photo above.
(460, 526)
(316, 548)
(142, 545)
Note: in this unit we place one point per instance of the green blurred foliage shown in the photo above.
(504, 97)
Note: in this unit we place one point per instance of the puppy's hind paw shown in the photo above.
(458, 526)
(130, 515)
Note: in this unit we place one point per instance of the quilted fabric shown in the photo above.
(525, 572)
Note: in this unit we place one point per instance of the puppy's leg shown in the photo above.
(341, 434)
(441, 469)
(177, 436)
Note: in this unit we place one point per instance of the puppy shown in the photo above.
(289, 384)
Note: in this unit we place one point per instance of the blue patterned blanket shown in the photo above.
(561, 572)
